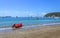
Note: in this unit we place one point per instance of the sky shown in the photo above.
(26, 8)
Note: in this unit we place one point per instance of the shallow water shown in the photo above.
(27, 22)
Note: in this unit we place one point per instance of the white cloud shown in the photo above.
(20, 13)
(16, 13)
(43, 14)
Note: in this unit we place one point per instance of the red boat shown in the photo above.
(15, 26)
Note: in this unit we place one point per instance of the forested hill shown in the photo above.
(55, 14)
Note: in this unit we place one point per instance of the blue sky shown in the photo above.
(24, 8)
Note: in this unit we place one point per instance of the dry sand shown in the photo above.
(44, 32)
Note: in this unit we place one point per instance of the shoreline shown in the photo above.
(43, 32)
(30, 27)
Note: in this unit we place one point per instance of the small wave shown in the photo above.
(32, 26)
(24, 27)
(5, 28)
(51, 24)
(9, 28)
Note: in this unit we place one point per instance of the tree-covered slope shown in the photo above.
(55, 14)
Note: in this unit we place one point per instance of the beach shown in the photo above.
(52, 31)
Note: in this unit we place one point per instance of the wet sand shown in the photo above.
(44, 32)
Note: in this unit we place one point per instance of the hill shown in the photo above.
(53, 14)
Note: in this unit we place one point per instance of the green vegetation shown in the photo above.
(53, 14)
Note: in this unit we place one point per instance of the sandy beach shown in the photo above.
(44, 32)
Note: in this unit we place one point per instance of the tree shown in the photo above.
(55, 14)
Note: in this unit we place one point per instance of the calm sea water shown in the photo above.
(26, 21)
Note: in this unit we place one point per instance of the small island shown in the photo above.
(5, 16)
(53, 15)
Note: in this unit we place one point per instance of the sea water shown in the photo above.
(26, 21)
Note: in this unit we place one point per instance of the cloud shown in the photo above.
(29, 13)
(25, 13)
(16, 13)
(42, 14)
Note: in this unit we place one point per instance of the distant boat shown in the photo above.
(16, 16)
(37, 18)
(31, 17)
